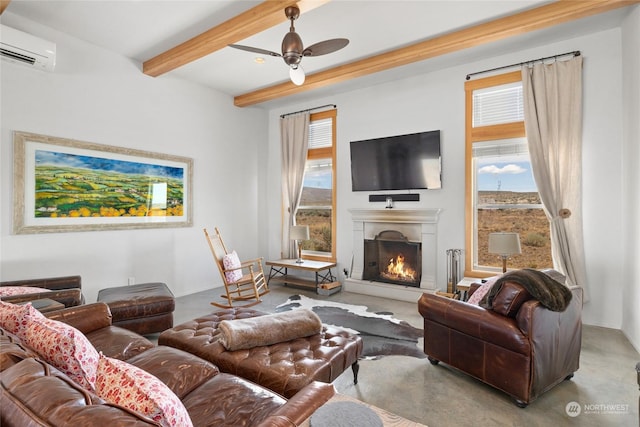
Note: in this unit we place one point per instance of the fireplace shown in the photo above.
(387, 229)
(391, 258)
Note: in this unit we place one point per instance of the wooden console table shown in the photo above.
(324, 282)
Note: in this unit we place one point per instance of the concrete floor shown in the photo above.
(605, 386)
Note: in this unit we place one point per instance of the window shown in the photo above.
(317, 205)
(501, 192)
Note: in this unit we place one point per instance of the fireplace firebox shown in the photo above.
(391, 258)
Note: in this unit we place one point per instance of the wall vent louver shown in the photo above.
(17, 56)
(22, 48)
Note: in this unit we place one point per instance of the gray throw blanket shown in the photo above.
(552, 294)
(241, 334)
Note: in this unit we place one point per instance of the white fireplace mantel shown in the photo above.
(418, 225)
(396, 215)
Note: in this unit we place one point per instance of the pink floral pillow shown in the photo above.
(14, 318)
(123, 384)
(9, 291)
(64, 347)
(230, 261)
(477, 296)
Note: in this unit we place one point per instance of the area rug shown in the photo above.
(382, 334)
(345, 414)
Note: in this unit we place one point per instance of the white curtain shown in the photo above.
(553, 122)
(294, 136)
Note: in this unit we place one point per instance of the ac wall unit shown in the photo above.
(23, 48)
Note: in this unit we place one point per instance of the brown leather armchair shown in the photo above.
(518, 346)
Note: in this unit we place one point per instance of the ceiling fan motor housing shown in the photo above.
(292, 48)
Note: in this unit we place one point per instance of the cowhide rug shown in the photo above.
(382, 335)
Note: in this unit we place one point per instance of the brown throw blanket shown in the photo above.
(552, 294)
(239, 334)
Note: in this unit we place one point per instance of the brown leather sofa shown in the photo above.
(519, 346)
(35, 393)
(66, 290)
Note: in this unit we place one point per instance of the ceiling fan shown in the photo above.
(293, 50)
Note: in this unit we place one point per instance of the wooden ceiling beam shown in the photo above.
(3, 5)
(530, 20)
(255, 20)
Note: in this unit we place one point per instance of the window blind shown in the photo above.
(498, 104)
(501, 148)
(321, 133)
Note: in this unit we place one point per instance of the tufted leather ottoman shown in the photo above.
(145, 308)
(283, 367)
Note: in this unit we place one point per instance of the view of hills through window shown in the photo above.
(508, 200)
(315, 205)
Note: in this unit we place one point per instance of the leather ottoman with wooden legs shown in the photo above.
(284, 367)
(145, 308)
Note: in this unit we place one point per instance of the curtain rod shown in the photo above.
(308, 109)
(574, 53)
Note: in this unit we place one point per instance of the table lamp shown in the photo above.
(299, 233)
(504, 244)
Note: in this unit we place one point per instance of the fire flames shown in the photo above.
(398, 270)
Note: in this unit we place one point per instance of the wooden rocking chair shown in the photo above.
(250, 283)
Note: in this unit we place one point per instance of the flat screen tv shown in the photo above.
(402, 162)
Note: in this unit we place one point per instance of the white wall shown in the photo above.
(97, 96)
(631, 177)
(436, 101)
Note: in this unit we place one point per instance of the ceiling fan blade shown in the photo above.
(254, 50)
(325, 47)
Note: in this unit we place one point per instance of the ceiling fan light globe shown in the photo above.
(297, 75)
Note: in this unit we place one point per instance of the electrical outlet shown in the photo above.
(131, 281)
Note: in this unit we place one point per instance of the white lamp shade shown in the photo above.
(504, 243)
(299, 232)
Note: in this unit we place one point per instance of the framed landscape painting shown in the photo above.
(63, 185)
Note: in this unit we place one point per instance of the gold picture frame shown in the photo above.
(66, 185)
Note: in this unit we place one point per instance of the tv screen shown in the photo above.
(403, 162)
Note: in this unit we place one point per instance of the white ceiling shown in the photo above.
(141, 29)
